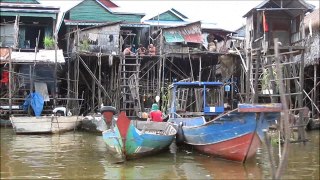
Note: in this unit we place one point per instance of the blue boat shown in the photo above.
(233, 135)
(129, 139)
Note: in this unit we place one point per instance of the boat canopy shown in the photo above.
(208, 99)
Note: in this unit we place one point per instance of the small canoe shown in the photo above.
(44, 124)
(130, 139)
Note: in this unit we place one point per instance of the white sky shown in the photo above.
(227, 14)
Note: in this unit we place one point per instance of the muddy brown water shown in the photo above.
(83, 155)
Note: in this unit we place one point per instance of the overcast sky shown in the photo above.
(227, 14)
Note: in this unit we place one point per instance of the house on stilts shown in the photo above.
(30, 61)
(272, 24)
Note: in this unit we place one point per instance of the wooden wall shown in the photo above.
(90, 10)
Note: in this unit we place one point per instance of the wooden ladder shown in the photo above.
(129, 69)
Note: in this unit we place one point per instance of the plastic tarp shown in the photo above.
(36, 101)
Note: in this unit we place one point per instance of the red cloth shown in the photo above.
(265, 24)
(5, 77)
(156, 116)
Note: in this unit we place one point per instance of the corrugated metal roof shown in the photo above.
(148, 18)
(29, 14)
(187, 33)
(82, 23)
(101, 25)
(115, 9)
(108, 3)
(34, 6)
(32, 10)
(278, 4)
(165, 23)
(134, 25)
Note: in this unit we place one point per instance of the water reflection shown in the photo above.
(50, 156)
(82, 155)
(303, 159)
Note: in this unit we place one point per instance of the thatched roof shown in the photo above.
(312, 55)
(312, 44)
(313, 20)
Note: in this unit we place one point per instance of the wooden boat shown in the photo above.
(130, 139)
(44, 124)
(234, 135)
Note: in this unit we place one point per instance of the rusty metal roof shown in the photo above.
(185, 33)
(292, 7)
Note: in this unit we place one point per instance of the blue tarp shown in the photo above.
(36, 101)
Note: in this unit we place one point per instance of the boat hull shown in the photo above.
(44, 124)
(236, 149)
(234, 136)
(114, 143)
(135, 139)
(140, 144)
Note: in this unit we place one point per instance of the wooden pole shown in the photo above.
(159, 75)
(68, 74)
(315, 92)
(248, 78)
(301, 131)
(99, 90)
(284, 156)
(76, 67)
(93, 85)
(256, 77)
(31, 85)
(301, 128)
(163, 66)
(55, 68)
(191, 69)
(10, 82)
(200, 68)
(16, 32)
(160, 64)
(232, 90)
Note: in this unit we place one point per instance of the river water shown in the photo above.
(83, 155)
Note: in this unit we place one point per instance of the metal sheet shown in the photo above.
(173, 37)
(29, 14)
(194, 38)
(186, 33)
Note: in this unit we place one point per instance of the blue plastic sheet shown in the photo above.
(36, 101)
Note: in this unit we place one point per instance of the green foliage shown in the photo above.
(266, 79)
(48, 42)
(274, 140)
(84, 45)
